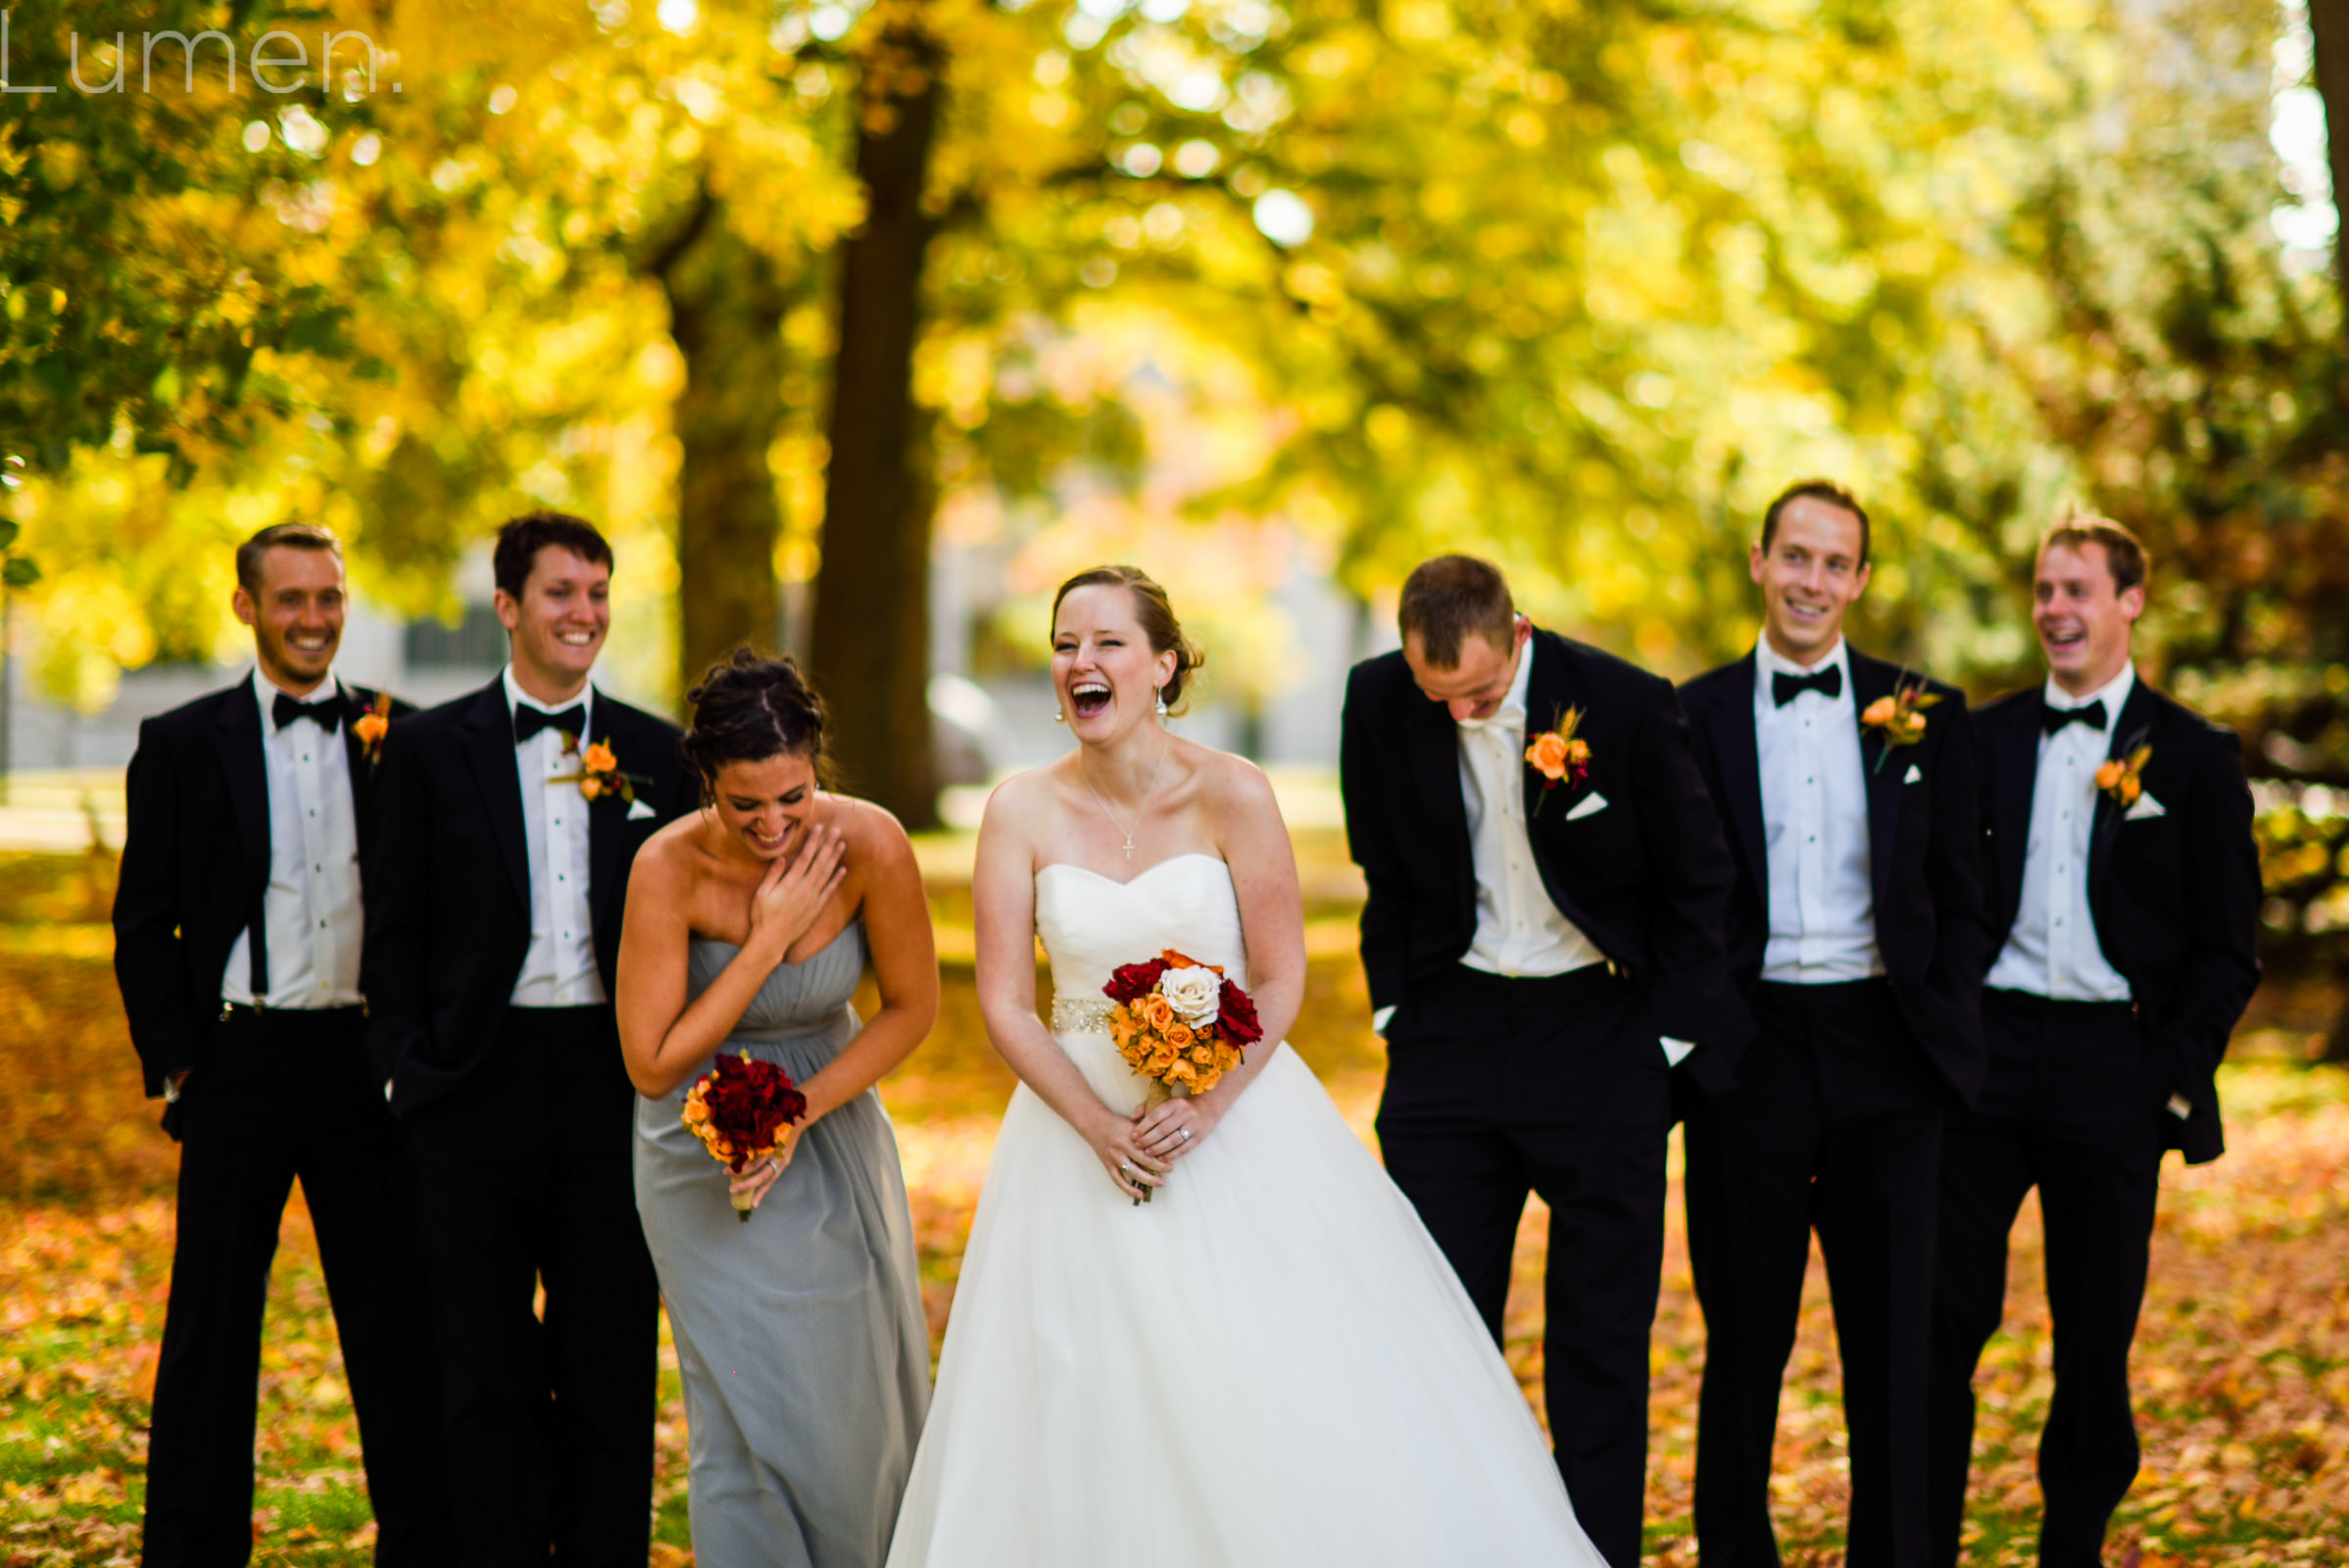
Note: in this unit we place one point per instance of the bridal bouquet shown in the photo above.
(743, 1111)
(1179, 1023)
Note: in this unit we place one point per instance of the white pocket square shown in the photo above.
(1589, 805)
(2147, 807)
(1913, 775)
(637, 810)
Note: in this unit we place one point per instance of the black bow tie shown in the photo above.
(1828, 683)
(326, 713)
(2053, 719)
(528, 722)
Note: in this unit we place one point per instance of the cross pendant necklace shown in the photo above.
(1140, 811)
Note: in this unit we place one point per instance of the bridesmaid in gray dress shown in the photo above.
(801, 1334)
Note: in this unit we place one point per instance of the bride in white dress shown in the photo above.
(1268, 1364)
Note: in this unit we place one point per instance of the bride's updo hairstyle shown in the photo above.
(1155, 611)
(749, 707)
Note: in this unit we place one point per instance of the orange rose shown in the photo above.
(1157, 1012)
(1204, 1056)
(599, 759)
(1879, 712)
(1548, 755)
(1578, 752)
(369, 728)
(2110, 774)
(1916, 723)
(591, 788)
(1179, 1036)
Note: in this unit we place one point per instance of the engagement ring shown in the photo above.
(1186, 1132)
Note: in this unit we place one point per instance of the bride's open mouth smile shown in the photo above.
(1088, 699)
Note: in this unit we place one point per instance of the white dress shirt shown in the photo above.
(2053, 951)
(1815, 821)
(310, 913)
(560, 969)
(1519, 931)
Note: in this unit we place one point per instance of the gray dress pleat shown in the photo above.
(801, 1334)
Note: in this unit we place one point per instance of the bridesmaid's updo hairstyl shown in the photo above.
(1156, 613)
(749, 707)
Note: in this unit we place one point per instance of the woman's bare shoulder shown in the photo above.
(871, 830)
(1228, 782)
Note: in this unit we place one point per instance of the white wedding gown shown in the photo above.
(1269, 1364)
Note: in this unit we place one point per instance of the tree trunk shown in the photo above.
(2329, 21)
(871, 643)
(726, 308)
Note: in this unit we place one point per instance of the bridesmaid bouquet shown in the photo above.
(1179, 1023)
(743, 1111)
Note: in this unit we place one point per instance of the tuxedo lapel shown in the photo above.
(489, 750)
(1432, 743)
(1872, 679)
(238, 739)
(1737, 752)
(2015, 764)
(607, 816)
(1548, 693)
(2132, 729)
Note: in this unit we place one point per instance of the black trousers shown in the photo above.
(1558, 1086)
(1835, 1123)
(526, 1182)
(283, 1094)
(2072, 1106)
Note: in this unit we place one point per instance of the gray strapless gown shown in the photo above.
(801, 1334)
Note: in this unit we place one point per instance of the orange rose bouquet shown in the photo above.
(744, 1110)
(1181, 1024)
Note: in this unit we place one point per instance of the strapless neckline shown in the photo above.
(1149, 871)
(722, 941)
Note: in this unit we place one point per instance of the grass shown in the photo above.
(2242, 1361)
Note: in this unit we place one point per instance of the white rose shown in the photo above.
(1195, 995)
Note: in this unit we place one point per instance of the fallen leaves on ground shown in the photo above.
(2242, 1362)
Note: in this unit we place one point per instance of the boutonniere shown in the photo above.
(370, 727)
(2123, 778)
(599, 771)
(1557, 756)
(1899, 719)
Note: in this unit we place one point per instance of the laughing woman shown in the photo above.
(801, 1334)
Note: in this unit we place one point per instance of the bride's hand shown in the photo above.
(794, 893)
(1118, 1148)
(1175, 1127)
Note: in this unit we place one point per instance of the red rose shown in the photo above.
(750, 1102)
(1236, 1016)
(1133, 981)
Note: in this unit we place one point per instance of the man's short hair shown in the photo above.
(292, 535)
(2124, 551)
(521, 539)
(1826, 490)
(1447, 598)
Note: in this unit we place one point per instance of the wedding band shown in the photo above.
(1125, 1167)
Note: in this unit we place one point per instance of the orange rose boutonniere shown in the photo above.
(598, 772)
(2123, 777)
(1899, 719)
(1557, 756)
(372, 726)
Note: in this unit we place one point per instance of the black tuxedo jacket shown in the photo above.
(2175, 896)
(448, 878)
(1923, 852)
(196, 862)
(1644, 876)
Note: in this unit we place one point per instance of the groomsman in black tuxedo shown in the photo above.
(1856, 933)
(2124, 896)
(236, 944)
(496, 883)
(1539, 952)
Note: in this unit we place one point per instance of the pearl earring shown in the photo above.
(1162, 702)
(1059, 718)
